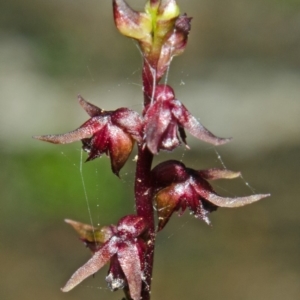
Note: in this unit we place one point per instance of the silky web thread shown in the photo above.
(85, 194)
(241, 176)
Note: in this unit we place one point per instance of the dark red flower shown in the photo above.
(176, 187)
(167, 117)
(125, 250)
(109, 132)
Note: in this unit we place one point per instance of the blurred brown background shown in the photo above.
(240, 74)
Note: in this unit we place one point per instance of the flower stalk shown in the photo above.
(128, 247)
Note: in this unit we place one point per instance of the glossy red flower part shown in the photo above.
(167, 117)
(125, 250)
(109, 132)
(176, 187)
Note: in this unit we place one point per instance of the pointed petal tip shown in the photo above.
(265, 195)
(50, 138)
(223, 141)
(98, 260)
(116, 172)
(91, 109)
(160, 227)
(36, 137)
(80, 99)
(68, 286)
(71, 222)
(194, 127)
(152, 148)
(64, 289)
(236, 174)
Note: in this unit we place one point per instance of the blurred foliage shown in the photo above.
(51, 185)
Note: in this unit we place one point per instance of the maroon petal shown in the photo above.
(170, 138)
(198, 207)
(98, 144)
(115, 278)
(130, 121)
(192, 125)
(120, 146)
(167, 201)
(131, 226)
(128, 256)
(99, 259)
(157, 121)
(91, 109)
(168, 172)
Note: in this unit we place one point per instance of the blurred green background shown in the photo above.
(240, 74)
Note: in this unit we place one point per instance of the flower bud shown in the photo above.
(163, 18)
(175, 44)
(131, 23)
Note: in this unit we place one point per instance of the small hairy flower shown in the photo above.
(109, 132)
(124, 249)
(177, 187)
(165, 120)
